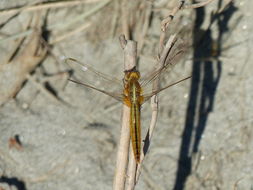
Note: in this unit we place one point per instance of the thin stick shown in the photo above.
(49, 5)
(82, 16)
(17, 10)
(131, 172)
(130, 54)
(71, 33)
(167, 20)
(62, 25)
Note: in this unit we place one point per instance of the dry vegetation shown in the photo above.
(77, 151)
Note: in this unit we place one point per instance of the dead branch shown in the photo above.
(49, 5)
(70, 33)
(130, 54)
(14, 73)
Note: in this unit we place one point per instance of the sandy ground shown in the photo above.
(204, 135)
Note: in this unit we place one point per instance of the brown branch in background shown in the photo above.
(64, 25)
(168, 19)
(48, 5)
(70, 33)
(18, 43)
(18, 10)
(164, 25)
(130, 58)
(25, 61)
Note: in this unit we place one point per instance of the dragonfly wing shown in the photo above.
(148, 95)
(87, 76)
(173, 57)
(86, 68)
(116, 96)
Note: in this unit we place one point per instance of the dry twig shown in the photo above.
(131, 173)
(130, 54)
(49, 5)
(14, 73)
(71, 33)
(63, 25)
(167, 20)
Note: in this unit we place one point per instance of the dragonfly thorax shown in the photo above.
(132, 76)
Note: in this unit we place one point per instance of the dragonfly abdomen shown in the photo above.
(133, 99)
(135, 130)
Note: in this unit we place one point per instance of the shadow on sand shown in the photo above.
(206, 75)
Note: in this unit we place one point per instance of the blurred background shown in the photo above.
(55, 134)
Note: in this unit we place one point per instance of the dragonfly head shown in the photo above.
(132, 75)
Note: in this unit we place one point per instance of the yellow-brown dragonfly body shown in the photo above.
(133, 93)
(133, 99)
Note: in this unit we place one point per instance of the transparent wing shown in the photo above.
(117, 96)
(87, 76)
(148, 95)
(173, 57)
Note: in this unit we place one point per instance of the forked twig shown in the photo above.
(167, 20)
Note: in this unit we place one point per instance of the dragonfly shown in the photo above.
(133, 90)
